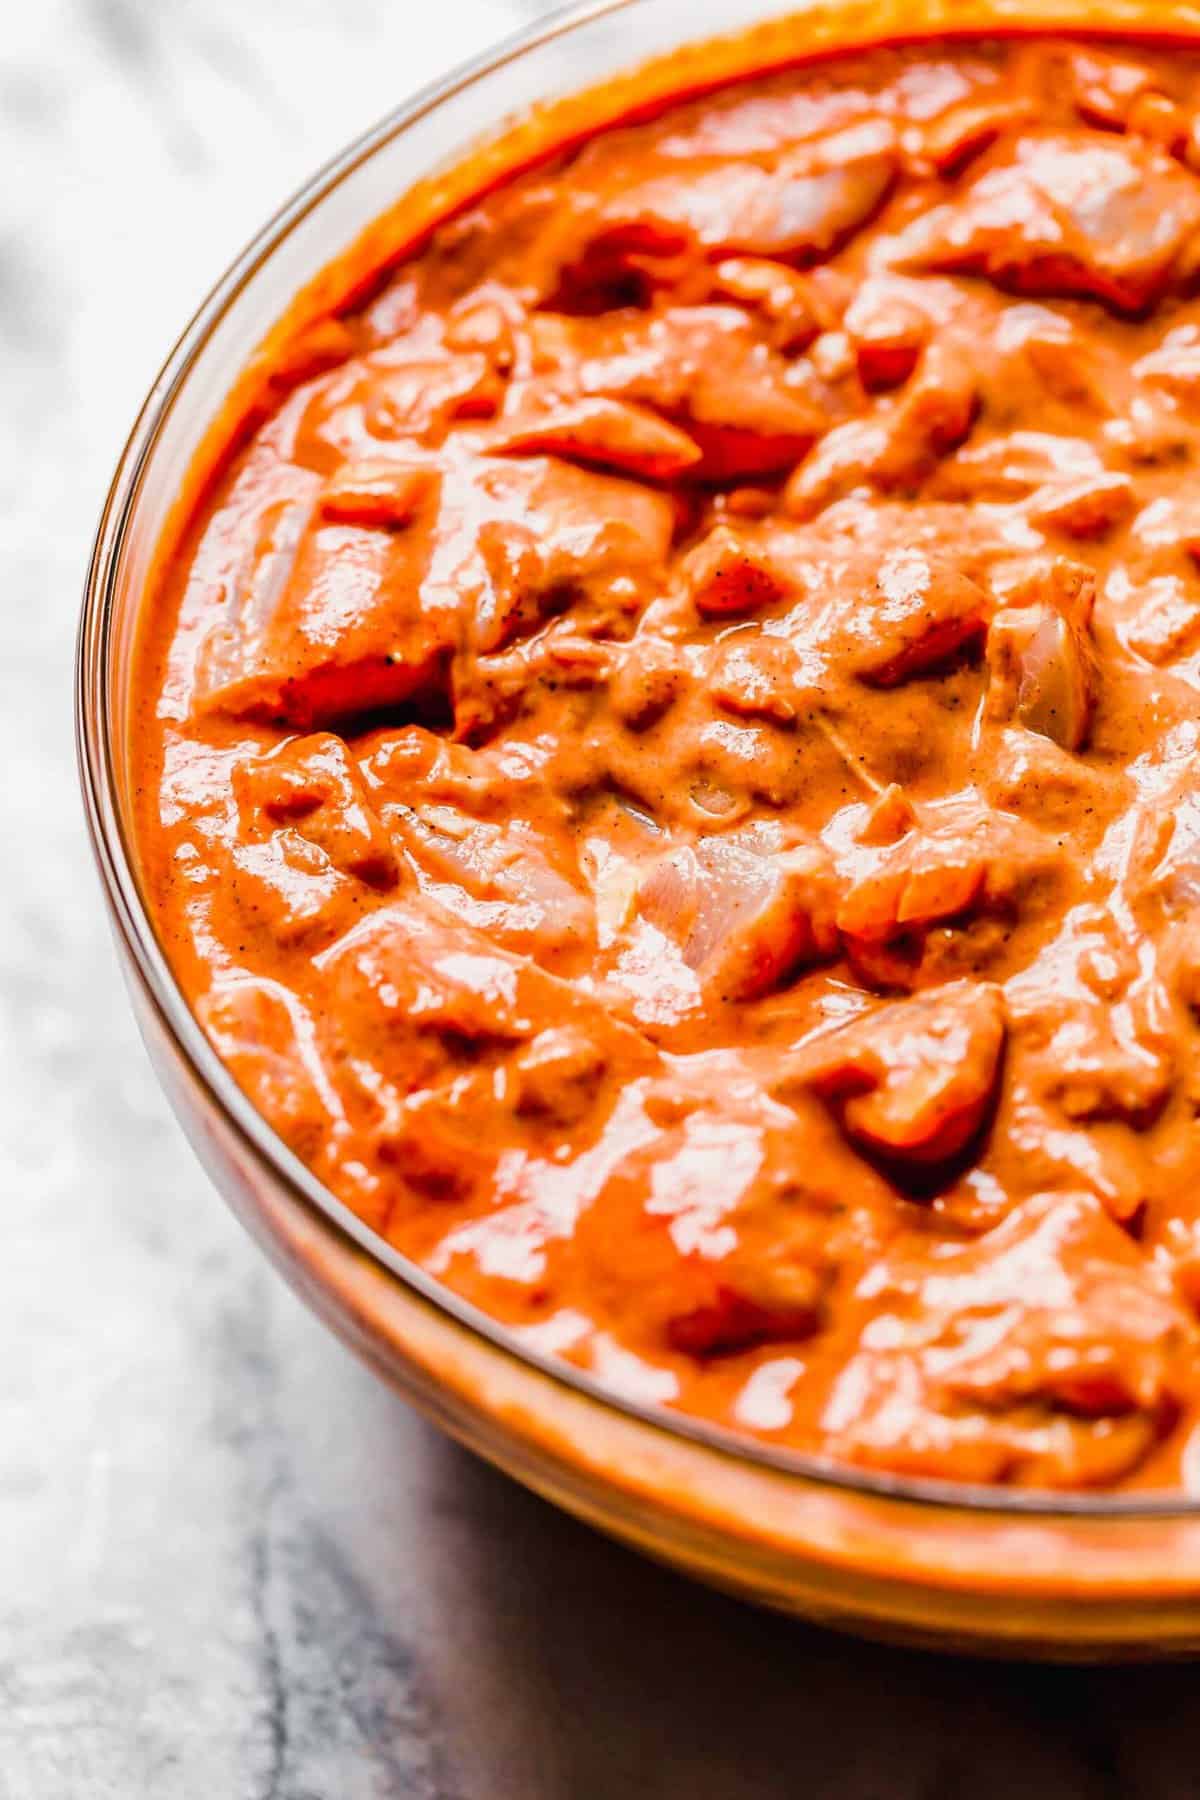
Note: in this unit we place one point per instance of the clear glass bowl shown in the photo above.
(983, 1569)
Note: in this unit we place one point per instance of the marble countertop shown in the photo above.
(233, 1566)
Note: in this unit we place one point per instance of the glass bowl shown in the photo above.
(980, 1569)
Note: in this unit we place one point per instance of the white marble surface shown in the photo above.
(232, 1566)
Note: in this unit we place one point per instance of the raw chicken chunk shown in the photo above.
(913, 1080)
(1048, 1351)
(1066, 213)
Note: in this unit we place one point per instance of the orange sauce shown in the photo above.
(667, 745)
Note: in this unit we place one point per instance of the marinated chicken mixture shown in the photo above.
(669, 761)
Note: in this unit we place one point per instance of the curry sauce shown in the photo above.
(668, 760)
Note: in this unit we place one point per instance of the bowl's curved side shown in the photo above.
(1071, 1580)
(1056, 1586)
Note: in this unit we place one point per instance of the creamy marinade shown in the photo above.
(668, 761)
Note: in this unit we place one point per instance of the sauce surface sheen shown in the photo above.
(668, 761)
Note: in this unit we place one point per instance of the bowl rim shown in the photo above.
(133, 922)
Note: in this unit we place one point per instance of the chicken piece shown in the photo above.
(557, 1075)
(912, 1081)
(1106, 87)
(445, 1140)
(929, 880)
(1064, 213)
(724, 1226)
(1107, 1352)
(814, 1221)
(801, 206)
(323, 620)
(1160, 121)
(648, 679)
(888, 331)
(492, 320)
(841, 464)
(1039, 674)
(525, 902)
(1089, 508)
(410, 394)
(508, 1112)
(407, 975)
(1064, 481)
(1175, 365)
(924, 610)
(420, 996)
(378, 491)
(1093, 1038)
(614, 877)
(757, 676)
(897, 447)
(931, 417)
(707, 369)
(729, 573)
(393, 759)
(745, 916)
(467, 1057)
(1041, 665)
(1171, 525)
(1018, 465)
(1096, 1064)
(557, 532)
(889, 817)
(1049, 1351)
(1048, 371)
(314, 350)
(265, 1036)
(1179, 958)
(334, 621)
(796, 314)
(1163, 875)
(728, 1321)
(609, 434)
(313, 786)
(966, 129)
(287, 889)
(832, 356)
(884, 593)
(1032, 777)
(962, 856)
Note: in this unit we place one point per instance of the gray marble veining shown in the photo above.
(232, 1566)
